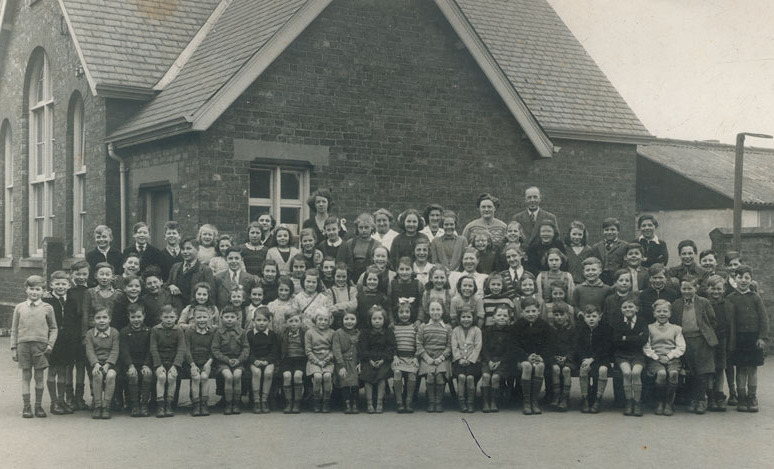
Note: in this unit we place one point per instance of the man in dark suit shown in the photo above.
(235, 275)
(530, 219)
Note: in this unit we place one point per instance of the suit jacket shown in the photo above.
(94, 257)
(529, 228)
(223, 286)
(150, 256)
(438, 253)
(705, 317)
(186, 282)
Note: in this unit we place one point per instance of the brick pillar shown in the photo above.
(53, 255)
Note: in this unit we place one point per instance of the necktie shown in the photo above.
(186, 267)
(233, 278)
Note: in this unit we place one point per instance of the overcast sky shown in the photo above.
(690, 69)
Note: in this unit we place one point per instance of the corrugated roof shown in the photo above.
(549, 68)
(243, 28)
(712, 165)
(134, 42)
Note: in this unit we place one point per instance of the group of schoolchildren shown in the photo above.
(502, 305)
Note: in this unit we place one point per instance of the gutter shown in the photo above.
(122, 189)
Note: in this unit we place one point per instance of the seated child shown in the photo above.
(346, 361)
(499, 351)
(562, 349)
(533, 336)
(102, 344)
(657, 290)
(167, 348)
(135, 360)
(467, 295)
(376, 350)
(32, 321)
(318, 344)
(198, 340)
(264, 355)
(663, 349)
(593, 352)
(493, 296)
(592, 291)
(405, 287)
(230, 351)
(292, 362)
(466, 342)
(343, 295)
(630, 333)
(405, 365)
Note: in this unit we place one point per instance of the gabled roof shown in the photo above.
(712, 166)
(560, 83)
(542, 73)
(132, 43)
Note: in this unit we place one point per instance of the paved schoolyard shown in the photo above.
(728, 440)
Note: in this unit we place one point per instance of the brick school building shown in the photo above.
(210, 111)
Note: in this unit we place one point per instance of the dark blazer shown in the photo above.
(150, 256)
(186, 282)
(94, 257)
(705, 317)
(168, 261)
(612, 259)
(529, 228)
(655, 252)
(223, 286)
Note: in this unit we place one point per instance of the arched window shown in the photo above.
(41, 167)
(6, 156)
(79, 174)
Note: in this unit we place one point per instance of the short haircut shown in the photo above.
(192, 241)
(366, 219)
(104, 265)
(35, 281)
(206, 227)
(449, 214)
(715, 280)
(135, 308)
(331, 221)
(731, 255)
(619, 273)
(263, 310)
(134, 254)
(529, 301)
(307, 232)
(693, 280)
(201, 309)
(379, 309)
(482, 234)
(172, 225)
(633, 247)
(232, 249)
(151, 271)
(470, 250)
(140, 224)
(229, 309)
(687, 243)
(608, 222)
(630, 298)
(662, 302)
(514, 246)
(381, 211)
(130, 278)
(103, 229)
(429, 209)
(657, 268)
(297, 258)
(590, 309)
(325, 193)
(504, 306)
(467, 277)
(592, 261)
(80, 265)
(59, 275)
(494, 276)
(708, 252)
(743, 269)
(488, 196)
(405, 260)
(556, 284)
(270, 263)
(646, 217)
(167, 309)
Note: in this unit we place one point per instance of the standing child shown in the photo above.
(134, 353)
(592, 291)
(493, 296)
(327, 269)
(103, 296)
(688, 265)
(433, 217)
(231, 350)
(67, 346)
(622, 289)
(297, 271)
(206, 237)
(148, 254)
(170, 254)
(633, 263)
(130, 267)
(664, 348)
(405, 364)
(307, 241)
(284, 251)
(33, 335)
(469, 266)
(593, 352)
(657, 290)
(411, 223)
(482, 241)
(447, 250)
(255, 302)
(218, 262)
(630, 334)
(548, 237)
(466, 296)
(346, 361)
(434, 351)
(264, 355)
(513, 237)
(131, 295)
(437, 289)
(515, 271)
(558, 300)
(610, 251)
(369, 295)
(318, 344)
(270, 281)
(343, 295)
(553, 260)
(498, 353)
(102, 347)
(201, 298)
(259, 240)
(312, 299)
(329, 247)
(167, 348)
(386, 274)
(421, 266)
(74, 391)
(750, 328)
(156, 295)
(186, 274)
(407, 289)
(562, 348)
(533, 336)
(697, 318)
(526, 290)
(102, 252)
(715, 286)
(293, 363)
(283, 307)
(466, 342)
(198, 340)
(578, 250)
(376, 350)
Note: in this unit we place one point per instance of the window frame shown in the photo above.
(275, 202)
(41, 180)
(78, 152)
(6, 146)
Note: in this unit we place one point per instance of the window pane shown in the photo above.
(290, 186)
(78, 132)
(39, 233)
(38, 190)
(260, 184)
(258, 210)
(39, 142)
(40, 86)
(290, 217)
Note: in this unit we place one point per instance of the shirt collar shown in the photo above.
(104, 253)
(202, 331)
(654, 240)
(34, 303)
(337, 243)
(174, 251)
(62, 298)
(141, 247)
(99, 333)
(256, 331)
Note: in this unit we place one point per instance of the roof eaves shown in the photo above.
(170, 128)
(208, 113)
(89, 77)
(497, 77)
(3, 5)
(184, 56)
(134, 93)
(694, 180)
(633, 139)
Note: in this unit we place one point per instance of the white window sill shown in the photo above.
(31, 262)
(68, 263)
(6, 261)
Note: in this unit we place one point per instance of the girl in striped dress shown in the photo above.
(434, 351)
(405, 364)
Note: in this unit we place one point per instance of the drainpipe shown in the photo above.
(122, 185)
